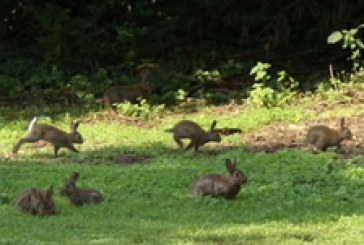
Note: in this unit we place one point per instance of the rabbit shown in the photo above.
(36, 201)
(125, 93)
(121, 93)
(192, 131)
(215, 185)
(79, 196)
(323, 137)
(51, 134)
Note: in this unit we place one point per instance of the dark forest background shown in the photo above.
(56, 49)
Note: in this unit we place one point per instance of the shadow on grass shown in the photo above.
(43, 152)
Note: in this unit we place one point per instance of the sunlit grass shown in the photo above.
(292, 197)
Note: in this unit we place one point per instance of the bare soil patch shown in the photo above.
(279, 135)
(117, 157)
(112, 116)
(129, 158)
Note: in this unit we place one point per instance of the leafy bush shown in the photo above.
(143, 109)
(271, 92)
(205, 76)
(349, 41)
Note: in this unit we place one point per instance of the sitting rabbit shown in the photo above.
(51, 134)
(216, 185)
(79, 196)
(323, 137)
(36, 201)
(192, 131)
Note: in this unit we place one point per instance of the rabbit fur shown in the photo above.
(191, 130)
(52, 135)
(36, 201)
(215, 185)
(323, 137)
(79, 196)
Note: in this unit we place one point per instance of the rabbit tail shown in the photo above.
(31, 124)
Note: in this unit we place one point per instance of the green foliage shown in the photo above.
(180, 95)
(231, 68)
(349, 41)
(205, 76)
(271, 92)
(260, 72)
(143, 109)
(46, 43)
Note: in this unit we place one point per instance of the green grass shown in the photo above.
(292, 197)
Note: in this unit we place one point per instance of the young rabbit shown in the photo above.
(79, 196)
(322, 136)
(215, 185)
(51, 134)
(36, 201)
(191, 130)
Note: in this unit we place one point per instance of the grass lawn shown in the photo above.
(292, 196)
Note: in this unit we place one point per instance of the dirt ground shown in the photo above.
(281, 135)
(272, 137)
(125, 120)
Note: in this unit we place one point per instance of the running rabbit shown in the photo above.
(52, 135)
(36, 201)
(79, 196)
(191, 130)
(215, 185)
(323, 137)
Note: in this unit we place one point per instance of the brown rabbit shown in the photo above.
(52, 135)
(36, 201)
(323, 137)
(125, 93)
(191, 130)
(79, 196)
(129, 92)
(215, 185)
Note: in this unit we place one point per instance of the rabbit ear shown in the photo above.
(213, 124)
(229, 165)
(74, 126)
(234, 163)
(342, 122)
(49, 192)
(74, 176)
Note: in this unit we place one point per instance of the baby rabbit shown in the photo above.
(79, 196)
(51, 134)
(322, 136)
(192, 131)
(36, 201)
(215, 185)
